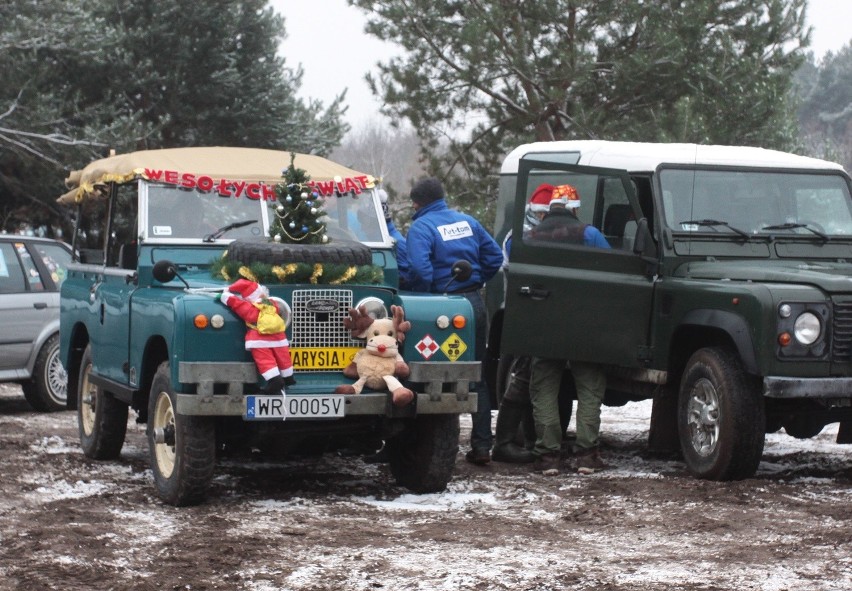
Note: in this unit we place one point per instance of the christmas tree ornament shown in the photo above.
(277, 238)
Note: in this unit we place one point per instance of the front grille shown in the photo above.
(841, 345)
(320, 329)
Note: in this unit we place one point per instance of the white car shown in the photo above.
(31, 271)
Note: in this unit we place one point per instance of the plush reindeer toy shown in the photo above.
(378, 365)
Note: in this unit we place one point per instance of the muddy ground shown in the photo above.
(337, 523)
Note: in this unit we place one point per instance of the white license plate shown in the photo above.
(272, 408)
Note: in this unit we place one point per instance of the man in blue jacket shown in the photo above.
(437, 238)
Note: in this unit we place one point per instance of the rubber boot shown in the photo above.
(274, 385)
(509, 419)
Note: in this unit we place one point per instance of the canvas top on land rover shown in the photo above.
(162, 233)
(726, 296)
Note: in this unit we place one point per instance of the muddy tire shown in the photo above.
(261, 250)
(504, 369)
(48, 389)
(182, 448)
(101, 419)
(721, 417)
(423, 456)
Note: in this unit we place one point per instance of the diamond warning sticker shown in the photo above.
(453, 347)
(426, 346)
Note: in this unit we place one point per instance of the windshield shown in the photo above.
(177, 214)
(755, 203)
(189, 215)
(353, 216)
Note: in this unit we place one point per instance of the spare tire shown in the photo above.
(260, 250)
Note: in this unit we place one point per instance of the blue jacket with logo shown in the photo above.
(437, 238)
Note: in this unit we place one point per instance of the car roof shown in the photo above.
(647, 157)
(239, 164)
(23, 238)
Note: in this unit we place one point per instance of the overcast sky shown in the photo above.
(327, 38)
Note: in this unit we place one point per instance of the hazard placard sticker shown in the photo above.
(453, 347)
(427, 346)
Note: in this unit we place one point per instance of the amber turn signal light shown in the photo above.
(200, 321)
(459, 321)
(784, 339)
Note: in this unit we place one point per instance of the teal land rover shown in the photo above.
(142, 326)
(726, 295)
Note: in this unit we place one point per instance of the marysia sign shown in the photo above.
(256, 191)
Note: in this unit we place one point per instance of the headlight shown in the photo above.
(375, 307)
(807, 328)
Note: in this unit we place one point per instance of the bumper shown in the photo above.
(440, 388)
(777, 387)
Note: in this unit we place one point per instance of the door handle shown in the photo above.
(534, 293)
(39, 305)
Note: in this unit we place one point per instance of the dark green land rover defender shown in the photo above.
(142, 326)
(726, 296)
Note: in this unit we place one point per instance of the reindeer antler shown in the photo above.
(358, 322)
(400, 324)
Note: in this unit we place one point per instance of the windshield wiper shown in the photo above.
(717, 223)
(793, 226)
(212, 237)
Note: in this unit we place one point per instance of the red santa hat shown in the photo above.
(565, 195)
(540, 200)
(250, 291)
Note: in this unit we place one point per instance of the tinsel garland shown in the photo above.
(315, 273)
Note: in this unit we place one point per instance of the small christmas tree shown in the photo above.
(298, 210)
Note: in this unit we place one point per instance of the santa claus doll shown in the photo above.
(265, 338)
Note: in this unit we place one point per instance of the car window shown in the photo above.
(11, 274)
(55, 258)
(30, 269)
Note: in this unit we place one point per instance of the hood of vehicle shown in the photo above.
(833, 277)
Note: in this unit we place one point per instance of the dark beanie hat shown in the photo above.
(425, 191)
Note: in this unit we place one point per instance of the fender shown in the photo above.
(733, 325)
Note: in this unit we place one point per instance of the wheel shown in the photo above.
(48, 389)
(101, 419)
(721, 417)
(423, 456)
(258, 250)
(504, 369)
(182, 448)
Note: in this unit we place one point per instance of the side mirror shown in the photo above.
(461, 270)
(164, 271)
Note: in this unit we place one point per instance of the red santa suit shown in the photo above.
(270, 351)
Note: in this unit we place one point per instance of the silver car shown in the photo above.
(31, 271)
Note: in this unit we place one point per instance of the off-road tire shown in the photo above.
(48, 389)
(261, 250)
(423, 455)
(504, 370)
(101, 418)
(721, 416)
(182, 471)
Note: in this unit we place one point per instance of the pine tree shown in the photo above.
(475, 79)
(298, 211)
